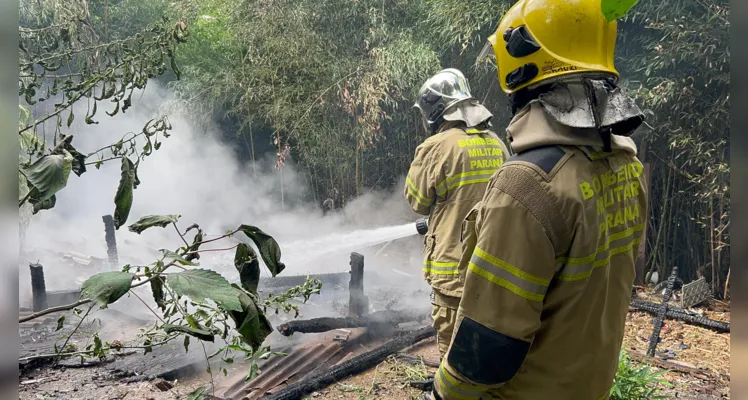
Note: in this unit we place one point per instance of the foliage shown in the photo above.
(65, 66)
(194, 302)
(71, 60)
(45, 177)
(332, 85)
(151, 221)
(676, 57)
(107, 287)
(636, 382)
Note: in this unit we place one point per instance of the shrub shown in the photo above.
(634, 382)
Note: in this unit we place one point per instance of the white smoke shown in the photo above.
(196, 175)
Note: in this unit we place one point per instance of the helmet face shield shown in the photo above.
(439, 93)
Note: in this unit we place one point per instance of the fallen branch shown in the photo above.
(373, 320)
(350, 367)
(417, 360)
(669, 365)
(652, 308)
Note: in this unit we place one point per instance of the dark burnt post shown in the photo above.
(358, 304)
(661, 313)
(38, 287)
(111, 241)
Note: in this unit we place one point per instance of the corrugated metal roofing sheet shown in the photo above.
(280, 371)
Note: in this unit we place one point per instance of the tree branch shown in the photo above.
(52, 310)
(82, 352)
(75, 330)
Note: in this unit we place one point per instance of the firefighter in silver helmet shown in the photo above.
(447, 178)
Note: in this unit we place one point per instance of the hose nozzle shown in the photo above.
(422, 226)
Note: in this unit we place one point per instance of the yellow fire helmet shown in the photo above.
(538, 40)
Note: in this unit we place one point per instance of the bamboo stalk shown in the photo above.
(727, 285)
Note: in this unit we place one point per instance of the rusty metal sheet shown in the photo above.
(299, 363)
(283, 370)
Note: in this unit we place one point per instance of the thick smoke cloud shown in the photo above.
(197, 176)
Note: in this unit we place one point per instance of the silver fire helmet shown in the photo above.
(439, 93)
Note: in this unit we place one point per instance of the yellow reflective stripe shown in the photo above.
(465, 174)
(472, 131)
(603, 247)
(500, 273)
(455, 389)
(418, 199)
(449, 183)
(440, 264)
(600, 263)
(413, 191)
(440, 268)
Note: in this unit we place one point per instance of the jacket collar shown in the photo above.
(533, 127)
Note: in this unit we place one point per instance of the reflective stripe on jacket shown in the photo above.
(447, 177)
(550, 253)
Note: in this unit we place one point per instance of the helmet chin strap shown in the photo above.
(603, 131)
(518, 100)
(434, 127)
(521, 98)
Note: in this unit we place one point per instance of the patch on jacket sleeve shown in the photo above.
(544, 157)
(485, 356)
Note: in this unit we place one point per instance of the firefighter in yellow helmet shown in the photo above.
(556, 235)
(447, 177)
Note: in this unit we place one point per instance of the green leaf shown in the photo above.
(195, 246)
(615, 9)
(44, 205)
(174, 68)
(198, 333)
(123, 198)
(98, 348)
(60, 322)
(48, 175)
(150, 221)
(246, 262)
(29, 141)
(268, 247)
(168, 254)
(202, 284)
(250, 322)
(157, 287)
(107, 287)
(197, 394)
(79, 160)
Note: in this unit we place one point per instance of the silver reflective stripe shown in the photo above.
(508, 276)
(465, 178)
(577, 269)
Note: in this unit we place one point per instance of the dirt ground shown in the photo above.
(95, 384)
(704, 352)
(681, 344)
